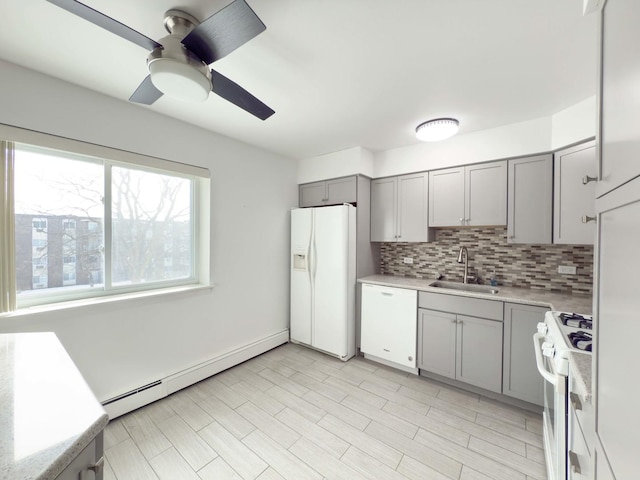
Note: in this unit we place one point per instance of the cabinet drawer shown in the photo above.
(474, 307)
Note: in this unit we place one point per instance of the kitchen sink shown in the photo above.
(465, 287)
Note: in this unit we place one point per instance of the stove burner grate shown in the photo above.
(581, 340)
(576, 320)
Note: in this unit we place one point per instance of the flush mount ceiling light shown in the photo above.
(437, 129)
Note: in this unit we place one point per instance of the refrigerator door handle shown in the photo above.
(311, 255)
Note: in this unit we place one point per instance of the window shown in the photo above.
(87, 226)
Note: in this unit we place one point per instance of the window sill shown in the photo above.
(87, 302)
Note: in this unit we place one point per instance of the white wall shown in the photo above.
(352, 161)
(569, 126)
(122, 345)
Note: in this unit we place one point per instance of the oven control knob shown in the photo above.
(547, 349)
(542, 328)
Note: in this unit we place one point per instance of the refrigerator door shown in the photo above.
(331, 259)
(301, 280)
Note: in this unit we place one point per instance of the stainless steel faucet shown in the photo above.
(463, 257)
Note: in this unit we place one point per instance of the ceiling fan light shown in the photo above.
(179, 80)
(437, 129)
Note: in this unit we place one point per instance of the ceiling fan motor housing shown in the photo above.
(174, 70)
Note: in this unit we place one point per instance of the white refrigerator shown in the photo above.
(323, 279)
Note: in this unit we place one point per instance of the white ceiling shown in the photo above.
(338, 73)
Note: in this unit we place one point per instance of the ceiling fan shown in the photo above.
(178, 63)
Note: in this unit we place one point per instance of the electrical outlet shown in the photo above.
(408, 260)
(567, 269)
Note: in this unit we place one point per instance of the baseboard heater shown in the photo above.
(132, 392)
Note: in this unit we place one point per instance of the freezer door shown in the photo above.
(301, 281)
(330, 267)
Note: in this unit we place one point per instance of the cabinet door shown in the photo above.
(79, 466)
(486, 194)
(572, 198)
(520, 374)
(312, 194)
(437, 342)
(529, 204)
(412, 208)
(383, 209)
(446, 197)
(479, 352)
(617, 304)
(620, 104)
(341, 190)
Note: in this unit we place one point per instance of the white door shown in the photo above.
(329, 272)
(301, 280)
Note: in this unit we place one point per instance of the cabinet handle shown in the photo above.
(575, 401)
(586, 179)
(462, 220)
(587, 219)
(96, 468)
(399, 236)
(574, 463)
(387, 294)
(454, 321)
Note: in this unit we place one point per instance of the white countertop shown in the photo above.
(48, 414)
(543, 298)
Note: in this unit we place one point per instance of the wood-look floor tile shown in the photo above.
(169, 465)
(535, 425)
(472, 459)
(415, 470)
(345, 414)
(194, 450)
(437, 460)
(326, 464)
(357, 392)
(381, 416)
(227, 417)
(296, 403)
(159, 410)
(229, 377)
(431, 401)
(128, 463)
(235, 453)
(469, 474)
(311, 382)
(421, 384)
(258, 397)
(303, 368)
(472, 428)
(114, 433)
(108, 471)
(268, 424)
(367, 375)
(535, 453)
(280, 459)
(275, 365)
(277, 379)
(218, 469)
(189, 410)
(374, 446)
(318, 435)
(510, 430)
(398, 397)
(145, 433)
(520, 463)
(332, 372)
(270, 474)
(253, 379)
(370, 467)
(227, 394)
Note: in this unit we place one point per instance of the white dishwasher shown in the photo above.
(388, 329)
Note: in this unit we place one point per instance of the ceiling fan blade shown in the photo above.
(146, 93)
(237, 95)
(108, 23)
(224, 31)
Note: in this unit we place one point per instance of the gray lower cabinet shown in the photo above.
(465, 348)
(530, 200)
(329, 192)
(520, 375)
(89, 464)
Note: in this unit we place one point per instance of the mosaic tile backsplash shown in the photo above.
(527, 266)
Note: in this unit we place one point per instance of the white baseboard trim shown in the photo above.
(194, 374)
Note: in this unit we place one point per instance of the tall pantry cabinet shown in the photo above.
(617, 283)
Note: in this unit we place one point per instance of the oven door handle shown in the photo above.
(547, 375)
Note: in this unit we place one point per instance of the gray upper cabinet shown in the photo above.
(619, 141)
(574, 194)
(329, 192)
(520, 375)
(474, 195)
(399, 209)
(529, 210)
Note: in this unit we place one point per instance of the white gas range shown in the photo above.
(561, 333)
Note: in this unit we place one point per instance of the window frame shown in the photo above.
(109, 157)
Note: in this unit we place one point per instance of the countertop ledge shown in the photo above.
(58, 415)
(580, 365)
(542, 298)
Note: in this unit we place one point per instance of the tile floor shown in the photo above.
(293, 413)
